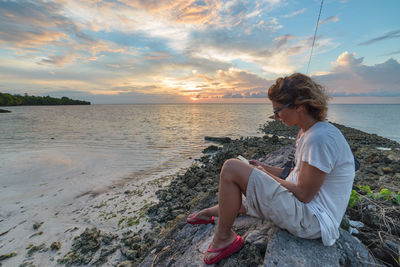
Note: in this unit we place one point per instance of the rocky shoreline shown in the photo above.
(197, 188)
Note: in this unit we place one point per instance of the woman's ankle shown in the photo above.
(224, 237)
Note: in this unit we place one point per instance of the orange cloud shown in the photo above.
(31, 39)
(181, 11)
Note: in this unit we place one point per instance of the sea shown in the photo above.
(98, 144)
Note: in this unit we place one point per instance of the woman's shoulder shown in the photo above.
(325, 128)
(324, 132)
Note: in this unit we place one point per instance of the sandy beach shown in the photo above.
(63, 207)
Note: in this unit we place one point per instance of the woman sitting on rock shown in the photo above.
(311, 202)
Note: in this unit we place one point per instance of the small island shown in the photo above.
(27, 100)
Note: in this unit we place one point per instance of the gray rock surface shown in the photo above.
(285, 249)
(185, 246)
(265, 244)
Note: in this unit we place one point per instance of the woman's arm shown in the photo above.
(308, 183)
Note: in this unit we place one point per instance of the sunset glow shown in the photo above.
(196, 51)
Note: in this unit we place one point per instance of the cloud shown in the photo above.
(60, 33)
(240, 79)
(347, 60)
(295, 13)
(386, 36)
(41, 31)
(329, 19)
(171, 21)
(32, 24)
(60, 60)
(269, 56)
(282, 40)
(205, 48)
(180, 11)
(393, 53)
(350, 77)
(235, 83)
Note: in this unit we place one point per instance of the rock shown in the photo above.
(4, 111)
(221, 140)
(125, 264)
(34, 249)
(130, 254)
(285, 249)
(356, 224)
(37, 225)
(83, 248)
(55, 246)
(26, 263)
(8, 255)
(102, 257)
(210, 149)
(107, 238)
(265, 244)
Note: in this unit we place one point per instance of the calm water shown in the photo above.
(47, 148)
(383, 120)
(96, 144)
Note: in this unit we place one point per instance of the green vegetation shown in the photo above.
(385, 194)
(26, 100)
(379, 210)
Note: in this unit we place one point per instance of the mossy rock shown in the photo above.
(8, 255)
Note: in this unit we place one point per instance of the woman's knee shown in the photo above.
(230, 170)
(229, 166)
(236, 171)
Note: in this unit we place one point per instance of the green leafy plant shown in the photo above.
(390, 196)
(354, 198)
(384, 194)
(366, 189)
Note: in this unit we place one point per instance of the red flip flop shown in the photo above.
(199, 221)
(225, 252)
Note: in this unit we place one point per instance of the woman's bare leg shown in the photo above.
(234, 178)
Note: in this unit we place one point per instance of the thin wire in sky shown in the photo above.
(315, 34)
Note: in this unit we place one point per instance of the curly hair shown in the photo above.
(299, 89)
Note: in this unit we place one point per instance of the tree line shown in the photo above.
(27, 100)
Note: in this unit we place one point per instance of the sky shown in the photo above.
(198, 51)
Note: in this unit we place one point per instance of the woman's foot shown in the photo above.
(222, 248)
(200, 218)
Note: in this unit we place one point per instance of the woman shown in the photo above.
(311, 202)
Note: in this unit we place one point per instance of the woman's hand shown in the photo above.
(255, 162)
(266, 168)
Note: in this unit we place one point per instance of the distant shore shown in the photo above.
(27, 100)
(195, 188)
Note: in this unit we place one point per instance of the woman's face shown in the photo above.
(284, 112)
